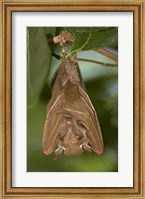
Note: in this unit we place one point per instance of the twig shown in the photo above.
(108, 54)
(97, 62)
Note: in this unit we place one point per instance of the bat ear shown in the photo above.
(58, 152)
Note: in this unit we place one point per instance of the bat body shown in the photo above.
(71, 125)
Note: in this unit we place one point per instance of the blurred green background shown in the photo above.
(102, 87)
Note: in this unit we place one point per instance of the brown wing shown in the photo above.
(78, 105)
(52, 125)
(93, 114)
(51, 133)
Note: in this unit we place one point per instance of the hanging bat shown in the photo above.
(71, 126)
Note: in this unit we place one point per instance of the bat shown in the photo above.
(71, 125)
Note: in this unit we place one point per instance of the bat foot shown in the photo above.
(58, 152)
(87, 148)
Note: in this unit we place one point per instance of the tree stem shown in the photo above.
(108, 54)
(97, 62)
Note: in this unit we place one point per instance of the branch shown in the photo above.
(108, 54)
(97, 62)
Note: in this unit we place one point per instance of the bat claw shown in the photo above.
(87, 148)
(58, 152)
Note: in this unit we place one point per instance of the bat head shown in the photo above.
(73, 139)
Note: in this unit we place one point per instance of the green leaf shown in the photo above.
(90, 29)
(91, 38)
(38, 62)
(49, 31)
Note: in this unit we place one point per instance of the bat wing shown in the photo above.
(92, 112)
(75, 103)
(52, 125)
(78, 105)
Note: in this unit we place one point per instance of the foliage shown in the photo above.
(38, 61)
(91, 38)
